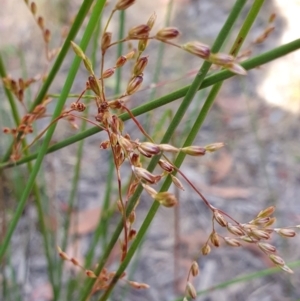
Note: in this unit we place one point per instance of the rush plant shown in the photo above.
(129, 150)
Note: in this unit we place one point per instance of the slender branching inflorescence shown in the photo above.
(124, 148)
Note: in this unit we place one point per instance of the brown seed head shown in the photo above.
(214, 238)
(214, 147)
(266, 212)
(195, 269)
(177, 183)
(168, 148)
(94, 85)
(190, 290)
(205, 249)
(143, 174)
(285, 232)
(40, 21)
(221, 58)
(194, 150)
(33, 8)
(236, 68)
(138, 285)
(151, 191)
(198, 49)
(121, 61)
(140, 31)
(75, 261)
(150, 148)
(105, 144)
(167, 33)
(267, 248)
(134, 85)
(260, 234)
(90, 274)
(108, 73)
(166, 199)
(124, 4)
(277, 260)
(142, 45)
(105, 41)
(232, 242)
(132, 234)
(152, 20)
(165, 165)
(140, 65)
(220, 218)
(47, 35)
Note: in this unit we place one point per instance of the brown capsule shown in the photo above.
(33, 8)
(149, 147)
(90, 274)
(47, 35)
(138, 285)
(140, 65)
(267, 248)
(220, 218)
(236, 68)
(285, 232)
(124, 4)
(75, 261)
(195, 269)
(194, 150)
(198, 49)
(134, 85)
(132, 234)
(191, 291)
(214, 238)
(167, 33)
(121, 61)
(40, 21)
(221, 58)
(145, 175)
(105, 41)
(266, 212)
(166, 199)
(151, 191)
(94, 85)
(260, 234)
(142, 45)
(152, 20)
(165, 165)
(214, 147)
(105, 144)
(232, 242)
(205, 250)
(277, 260)
(177, 183)
(140, 31)
(168, 148)
(108, 73)
(132, 217)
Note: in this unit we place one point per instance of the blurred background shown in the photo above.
(256, 116)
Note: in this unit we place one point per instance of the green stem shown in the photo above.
(59, 107)
(36, 191)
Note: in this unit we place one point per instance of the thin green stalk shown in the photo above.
(245, 278)
(77, 168)
(170, 131)
(84, 9)
(59, 107)
(209, 81)
(36, 190)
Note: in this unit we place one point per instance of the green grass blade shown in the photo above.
(68, 84)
